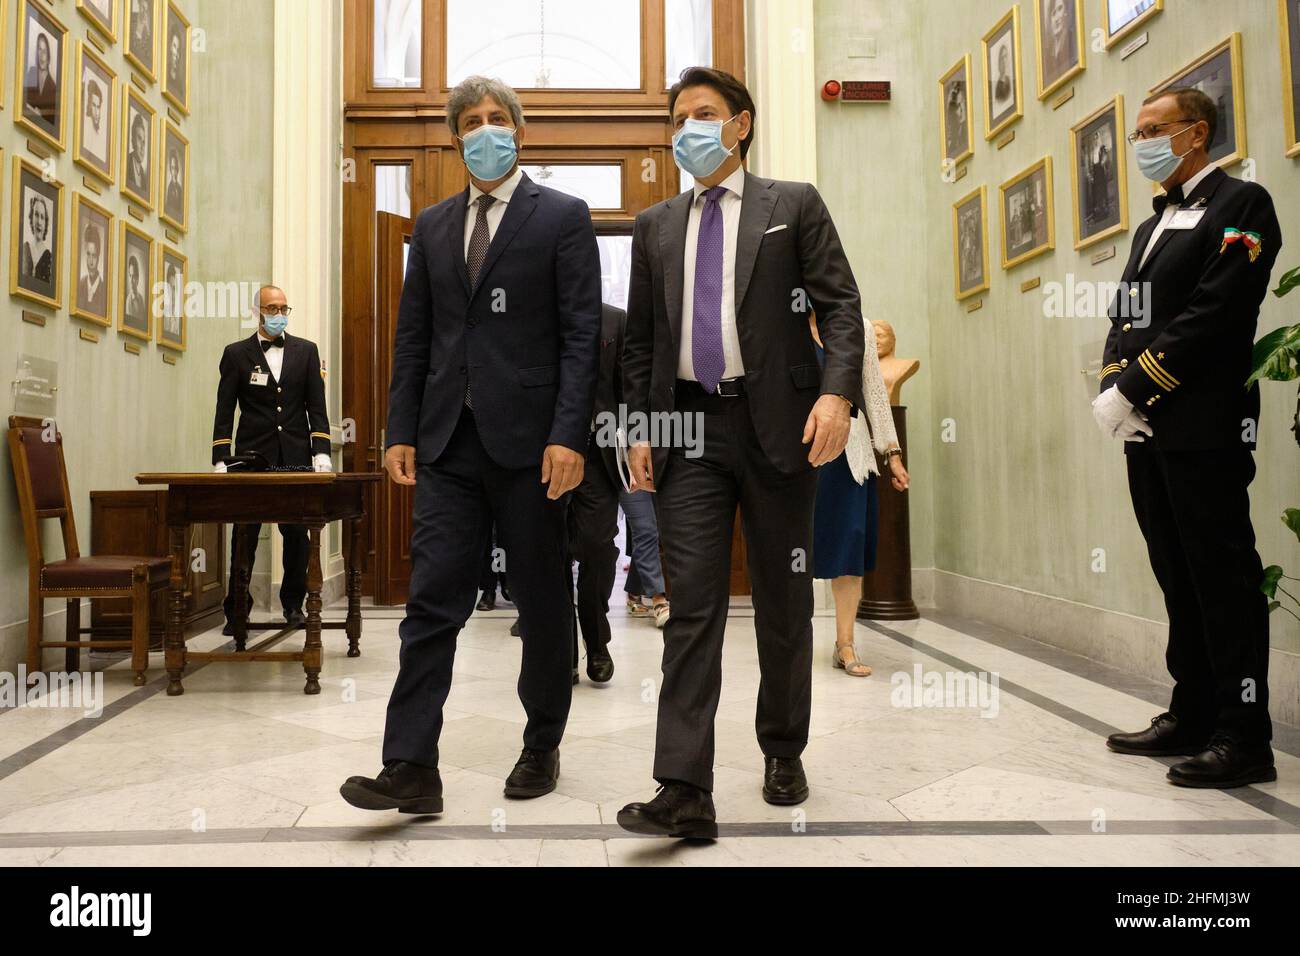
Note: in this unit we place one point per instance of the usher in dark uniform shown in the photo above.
(284, 420)
(1186, 372)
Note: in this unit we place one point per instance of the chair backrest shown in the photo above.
(41, 476)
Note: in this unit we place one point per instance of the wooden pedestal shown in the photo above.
(887, 591)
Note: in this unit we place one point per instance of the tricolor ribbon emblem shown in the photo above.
(1251, 240)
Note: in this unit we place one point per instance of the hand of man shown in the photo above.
(562, 469)
(399, 460)
(1110, 409)
(828, 429)
(219, 468)
(641, 468)
(321, 464)
(1133, 428)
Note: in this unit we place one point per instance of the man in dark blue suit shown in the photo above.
(489, 411)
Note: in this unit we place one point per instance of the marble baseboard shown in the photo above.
(1131, 643)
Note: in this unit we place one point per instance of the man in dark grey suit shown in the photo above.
(722, 279)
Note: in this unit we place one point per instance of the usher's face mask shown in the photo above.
(697, 146)
(489, 152)
(1156, 157)
(275, 324)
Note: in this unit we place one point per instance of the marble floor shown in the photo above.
(244, 769)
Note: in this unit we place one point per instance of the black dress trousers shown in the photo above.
(1194, 510)
(457, 497)
(593, 528)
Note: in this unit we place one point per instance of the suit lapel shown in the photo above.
(755, 213)
(455, 236)
(1203, 191)
(520, 207)
(256, 356)
(672, 251)
(1140, 240)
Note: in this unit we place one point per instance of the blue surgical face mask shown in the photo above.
(1156, 157)
(489, 152)
(275, 324)
(698, 148)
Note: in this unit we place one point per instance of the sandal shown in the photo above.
(635, 607)
(661, 614)
(852, 667)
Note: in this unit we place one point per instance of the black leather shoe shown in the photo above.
(228, 630)
(403, 786)
(534, 775)
(679, 810)
(784, 783)
(600, 666)
(488, 602)
(1225, 763)
(1164, 738)
(575, 677)
(514, 628)
(294, 618)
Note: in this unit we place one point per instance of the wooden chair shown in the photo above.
(42, 480)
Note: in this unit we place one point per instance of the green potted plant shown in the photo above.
(1277, 358)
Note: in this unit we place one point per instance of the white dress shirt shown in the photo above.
(274, 357)
(496, 212)
(1172, 208)
(730, 207)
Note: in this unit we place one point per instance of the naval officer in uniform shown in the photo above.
(1173, 388)
(278, 382)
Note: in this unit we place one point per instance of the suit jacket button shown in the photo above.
(279, 428)
(1128, 327)
(1123, 363)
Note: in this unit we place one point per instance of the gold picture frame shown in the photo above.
(16, 229)
(129, 181)
(1237, 86)
(1047, 88)
(165, 210)
(995, 124)
(1011, 259)
(79, 154)
(963, 67)
(1119, 163)
(124, 259)
(147, 70)
(1131, 26)
(957, 210)
(91, 13)
(1290, 72)
(54, 138)
(181, 101)
(4, 22)
(74, 261)
(159, 301)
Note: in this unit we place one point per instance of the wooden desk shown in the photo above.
(304, 498)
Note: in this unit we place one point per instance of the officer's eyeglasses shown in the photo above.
(1153, 130)
(277, 310)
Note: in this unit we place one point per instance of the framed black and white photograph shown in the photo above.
(137, 148)
(135, 264)
(35, 243)
(1002, 75)
(93, 126)
(141, 35)
(1098, 174)
(1120, 18)
(1059, 27)
(169, 304)
(176, 58)
(1028, 222)
(957, 124)
(42, 43)
(102, 14)
(1288, 12)
(174, 168)
(91, 278)
(1218, 74)
(970, 258)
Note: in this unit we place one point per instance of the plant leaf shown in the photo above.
(1273, 606)
(1272, 574)
(1274, 357)
(1289, 282)
(1291, 518)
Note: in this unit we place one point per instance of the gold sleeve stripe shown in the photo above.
(320, 435)
(1152, 359)
(1115, 367)
(1156, 375)
(221, 441)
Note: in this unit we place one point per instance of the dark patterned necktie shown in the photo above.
(479, 241)
(707, 357)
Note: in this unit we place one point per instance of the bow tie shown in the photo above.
(268, 344)
(1174, 196)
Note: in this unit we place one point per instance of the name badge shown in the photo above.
(258, 378)
(1186, 219)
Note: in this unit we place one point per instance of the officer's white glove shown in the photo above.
(321, 463)
(219, 468)
(1110, 409)
(1133, 428)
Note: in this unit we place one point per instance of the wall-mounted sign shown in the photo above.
(857, 91)
(36, 387)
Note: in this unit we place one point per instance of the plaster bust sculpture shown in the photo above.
(893, 369)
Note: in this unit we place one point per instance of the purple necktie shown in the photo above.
(706, 315)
